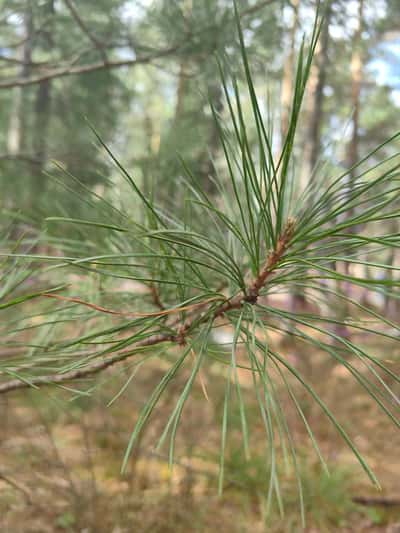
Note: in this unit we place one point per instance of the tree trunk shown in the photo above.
(16, 141)
(356, 70)
(41, 126)
(181, 91)
(321, 69)
(297, 297)
(288, 73)
(207, 166)
(42, 116)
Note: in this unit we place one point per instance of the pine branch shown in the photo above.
(198, 316)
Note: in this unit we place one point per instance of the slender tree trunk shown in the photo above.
(297, 298)
(16, 141)
(288, 73)
(41, 126)
(181, 91)
(149, 157)
(209, 156)
(182, 78)
(42, 117)
(321, 68)
(312, 144)
(206, 166)
(356, 70)
(391, 305)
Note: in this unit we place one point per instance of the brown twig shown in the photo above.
(18, 486)
(383, 502)
(156, 297)
(212, 312)
(164, 312)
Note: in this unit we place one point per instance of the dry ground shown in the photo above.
(60, 459)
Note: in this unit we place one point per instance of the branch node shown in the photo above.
(180, 337)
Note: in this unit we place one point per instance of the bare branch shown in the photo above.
(85, 69)
(383, 502)
(18, 486)
(16, 61)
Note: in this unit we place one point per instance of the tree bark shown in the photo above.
(16, 141)
(41, 126)
(288, 71)
(42, 117)
(321, 69)
(356, 70)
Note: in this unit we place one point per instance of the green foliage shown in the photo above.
(326, 498)
(215, 263)
(50, 122)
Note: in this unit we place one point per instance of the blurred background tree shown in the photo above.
(142, 74)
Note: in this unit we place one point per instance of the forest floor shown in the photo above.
(60, 460)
